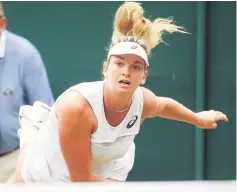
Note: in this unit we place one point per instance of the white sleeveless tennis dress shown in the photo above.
(112, 148)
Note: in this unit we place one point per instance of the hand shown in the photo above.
(31, 118)
(208, 119)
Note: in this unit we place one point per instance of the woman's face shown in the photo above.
(124, 73)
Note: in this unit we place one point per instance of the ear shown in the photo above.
(3, 24)
(105, 68)
(144, 77)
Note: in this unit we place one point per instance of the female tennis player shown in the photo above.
(90, 130)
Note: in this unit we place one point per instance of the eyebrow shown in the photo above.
(135, 62)
(120, 57)
(138, 62)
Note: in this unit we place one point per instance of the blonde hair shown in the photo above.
(130, 24)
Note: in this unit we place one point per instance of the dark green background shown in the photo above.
(72, 37)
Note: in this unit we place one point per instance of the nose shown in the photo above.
(126, 71)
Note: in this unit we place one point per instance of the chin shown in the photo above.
(127, 90)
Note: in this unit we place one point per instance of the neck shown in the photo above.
(116, 102)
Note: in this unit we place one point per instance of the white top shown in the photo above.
(2, 44)
(44, 160)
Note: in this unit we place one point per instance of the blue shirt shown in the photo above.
(23, 80)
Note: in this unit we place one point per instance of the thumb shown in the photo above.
(214, 125)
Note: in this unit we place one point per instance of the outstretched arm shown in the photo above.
(170, 109)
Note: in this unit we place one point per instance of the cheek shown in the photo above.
(114, 71)
(112, 74)
(139, 75)
(139, 78)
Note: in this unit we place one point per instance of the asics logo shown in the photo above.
(132, 121)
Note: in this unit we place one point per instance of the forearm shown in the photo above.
(176, 111)
(18, 177)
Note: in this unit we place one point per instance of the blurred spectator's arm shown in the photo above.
(36, 83)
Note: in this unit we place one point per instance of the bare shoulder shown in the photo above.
(72, 102)
(74, 108)
(150, 103)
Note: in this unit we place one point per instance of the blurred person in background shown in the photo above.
(23, 80)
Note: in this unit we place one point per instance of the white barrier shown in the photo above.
(185, 186)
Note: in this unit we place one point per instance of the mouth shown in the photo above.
(124, 82)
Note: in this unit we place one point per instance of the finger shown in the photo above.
(214, 125)
(221, 116)
(220, 113)
(225, 118)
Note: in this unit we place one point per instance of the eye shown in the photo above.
(118, 63)
(137, 67)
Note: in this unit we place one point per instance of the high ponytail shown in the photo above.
(129, 21)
